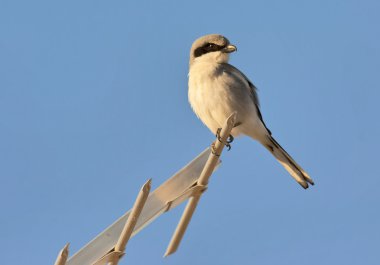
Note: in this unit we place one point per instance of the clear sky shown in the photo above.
(93, 102)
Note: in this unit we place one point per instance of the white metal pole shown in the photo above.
(131, 221)
(203, 181)
(62, 256)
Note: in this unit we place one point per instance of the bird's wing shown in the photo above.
(232, 70)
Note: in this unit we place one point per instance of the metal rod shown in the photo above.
(62, 256)
(131, 221)
(203, 181)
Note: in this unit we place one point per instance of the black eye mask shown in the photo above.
(208, 47)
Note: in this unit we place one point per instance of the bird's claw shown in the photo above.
(217, 135)
(228, 142)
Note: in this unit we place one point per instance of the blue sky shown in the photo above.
(93, 102)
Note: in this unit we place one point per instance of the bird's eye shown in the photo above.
(211, 45)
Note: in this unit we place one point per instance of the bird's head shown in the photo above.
(213, 48)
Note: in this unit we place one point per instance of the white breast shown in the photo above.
(213, 99)
(208, 95)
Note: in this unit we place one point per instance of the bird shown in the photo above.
(216, 89)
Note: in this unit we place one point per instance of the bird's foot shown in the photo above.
(228, 142)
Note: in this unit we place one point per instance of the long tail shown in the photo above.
(288, 162)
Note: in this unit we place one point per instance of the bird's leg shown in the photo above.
(227, 143)
(217, 135)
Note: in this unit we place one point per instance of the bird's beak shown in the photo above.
(230, 48)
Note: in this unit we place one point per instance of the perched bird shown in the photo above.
(216, 89)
